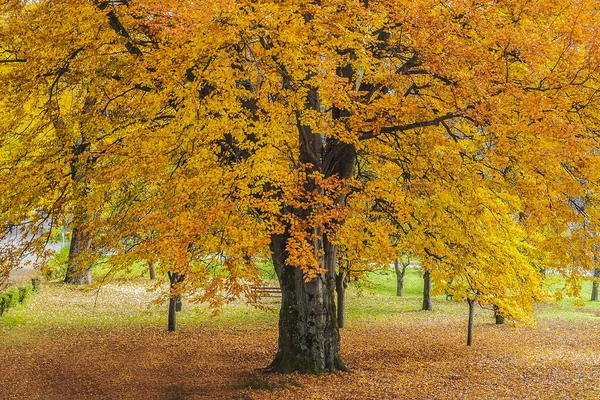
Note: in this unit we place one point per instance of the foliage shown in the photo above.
(194, 133)
(14, 296)
(23, 293)
(56, 267)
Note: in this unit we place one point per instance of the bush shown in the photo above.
(35, 284)
(23, 293)
(56, 268)
(9, 299)
(13, 295)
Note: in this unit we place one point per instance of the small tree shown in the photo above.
(595, 284)
(400, 268)
(471, 303)
(174, 299)
(427, 292)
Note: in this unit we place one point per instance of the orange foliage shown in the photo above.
(472, 124)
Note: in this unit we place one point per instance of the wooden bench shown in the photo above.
(266, 291)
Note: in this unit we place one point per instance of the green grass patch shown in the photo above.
(383, 282)
(129, 303)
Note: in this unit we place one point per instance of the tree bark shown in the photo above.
(427, 292)
(79, 272)
(172, 317)
(471, 318)
(152, 270)
(309, 340)
(499, 318)
(340, 288)
(595, 284)
(400, 271)
(174, 279)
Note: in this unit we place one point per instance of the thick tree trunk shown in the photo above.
(309, 340)
(595, 284)
(499, 318)
(79, 271)
(471, 318)
(152, 271)
(400, 271)
(427, 292)
(340, 288)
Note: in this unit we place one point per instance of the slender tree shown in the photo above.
(471, 303)
(427, 306)
(595, 284)
(400, 272)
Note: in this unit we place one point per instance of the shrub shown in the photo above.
(23, 293)
(9, 299)
(35, 284)
(13, 297)
(56, 268)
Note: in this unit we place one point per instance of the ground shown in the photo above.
(68, 343)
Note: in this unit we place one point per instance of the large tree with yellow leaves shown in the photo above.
(179, 130)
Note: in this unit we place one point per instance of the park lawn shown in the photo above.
(83, 343)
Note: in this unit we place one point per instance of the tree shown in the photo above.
(498, 317)
(595, 285)
(400, 271)
(152, 270)
(174, 299)
(426, 292)
(442, 121)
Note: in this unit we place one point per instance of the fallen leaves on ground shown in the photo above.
(414, 356)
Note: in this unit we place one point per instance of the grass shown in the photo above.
(134, 303)
(383, 282)
(127, 301)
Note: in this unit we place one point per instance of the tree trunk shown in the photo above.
(172, 324)
(174, 298)
(79, 271)
(309, 340)
(400, 277)
(152, 270)
(309, 337)
(595, 284)
(499, 318)
(427, 292)
(471, 318)
(340, 288)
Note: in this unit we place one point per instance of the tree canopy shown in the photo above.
(208, 134)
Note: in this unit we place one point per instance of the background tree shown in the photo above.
(400, 268)
(595, 285)
(427, 306)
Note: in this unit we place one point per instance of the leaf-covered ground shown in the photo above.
(60, 347)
